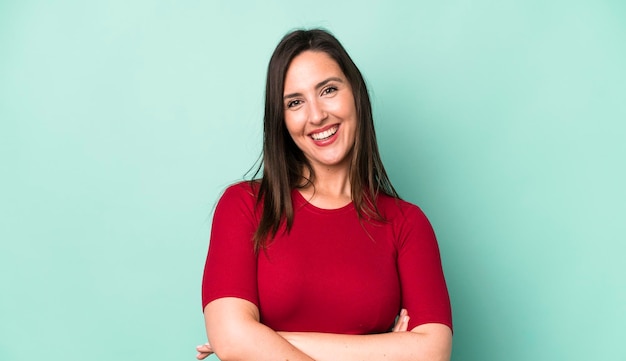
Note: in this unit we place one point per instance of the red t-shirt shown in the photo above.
(333, 272)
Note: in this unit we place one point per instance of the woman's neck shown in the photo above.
(329, 189)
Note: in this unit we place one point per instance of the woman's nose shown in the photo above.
(317, 114)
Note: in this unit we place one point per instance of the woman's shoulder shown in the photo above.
(398, 209)
(240, 192)
(408, 221)
(250, 188)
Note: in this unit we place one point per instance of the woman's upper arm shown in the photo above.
(231, 263)
(229, 287)
(424, 290)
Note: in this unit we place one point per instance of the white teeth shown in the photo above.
(325, 134)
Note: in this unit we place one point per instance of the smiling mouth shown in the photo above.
(325, 134)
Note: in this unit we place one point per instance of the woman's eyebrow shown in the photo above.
(317, 86)
(324, 82)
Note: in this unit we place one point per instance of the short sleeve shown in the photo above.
(231, 263)
(424, 291)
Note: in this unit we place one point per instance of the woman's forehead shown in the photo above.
(309, 69)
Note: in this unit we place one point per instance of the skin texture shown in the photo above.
(401, 325)
(235, 333)
(425, 342)
(318, 97)
(318, 101)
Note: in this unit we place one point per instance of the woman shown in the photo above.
(316, 260)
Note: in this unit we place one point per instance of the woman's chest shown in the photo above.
(334, 277)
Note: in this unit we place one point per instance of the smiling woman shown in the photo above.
(320, 114)
(319, 258)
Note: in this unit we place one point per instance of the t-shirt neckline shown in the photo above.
(300, 201)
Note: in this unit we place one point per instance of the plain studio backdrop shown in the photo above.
(121, 122)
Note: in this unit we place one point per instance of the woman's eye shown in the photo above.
(330, 89)
(293, 103)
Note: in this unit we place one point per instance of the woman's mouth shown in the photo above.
(325, 134)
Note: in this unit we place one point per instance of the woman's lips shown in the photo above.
(325, 133)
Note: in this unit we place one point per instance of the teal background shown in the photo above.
(122, 121)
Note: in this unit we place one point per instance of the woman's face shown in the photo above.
(320, 113)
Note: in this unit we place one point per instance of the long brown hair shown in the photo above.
(283, 161)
